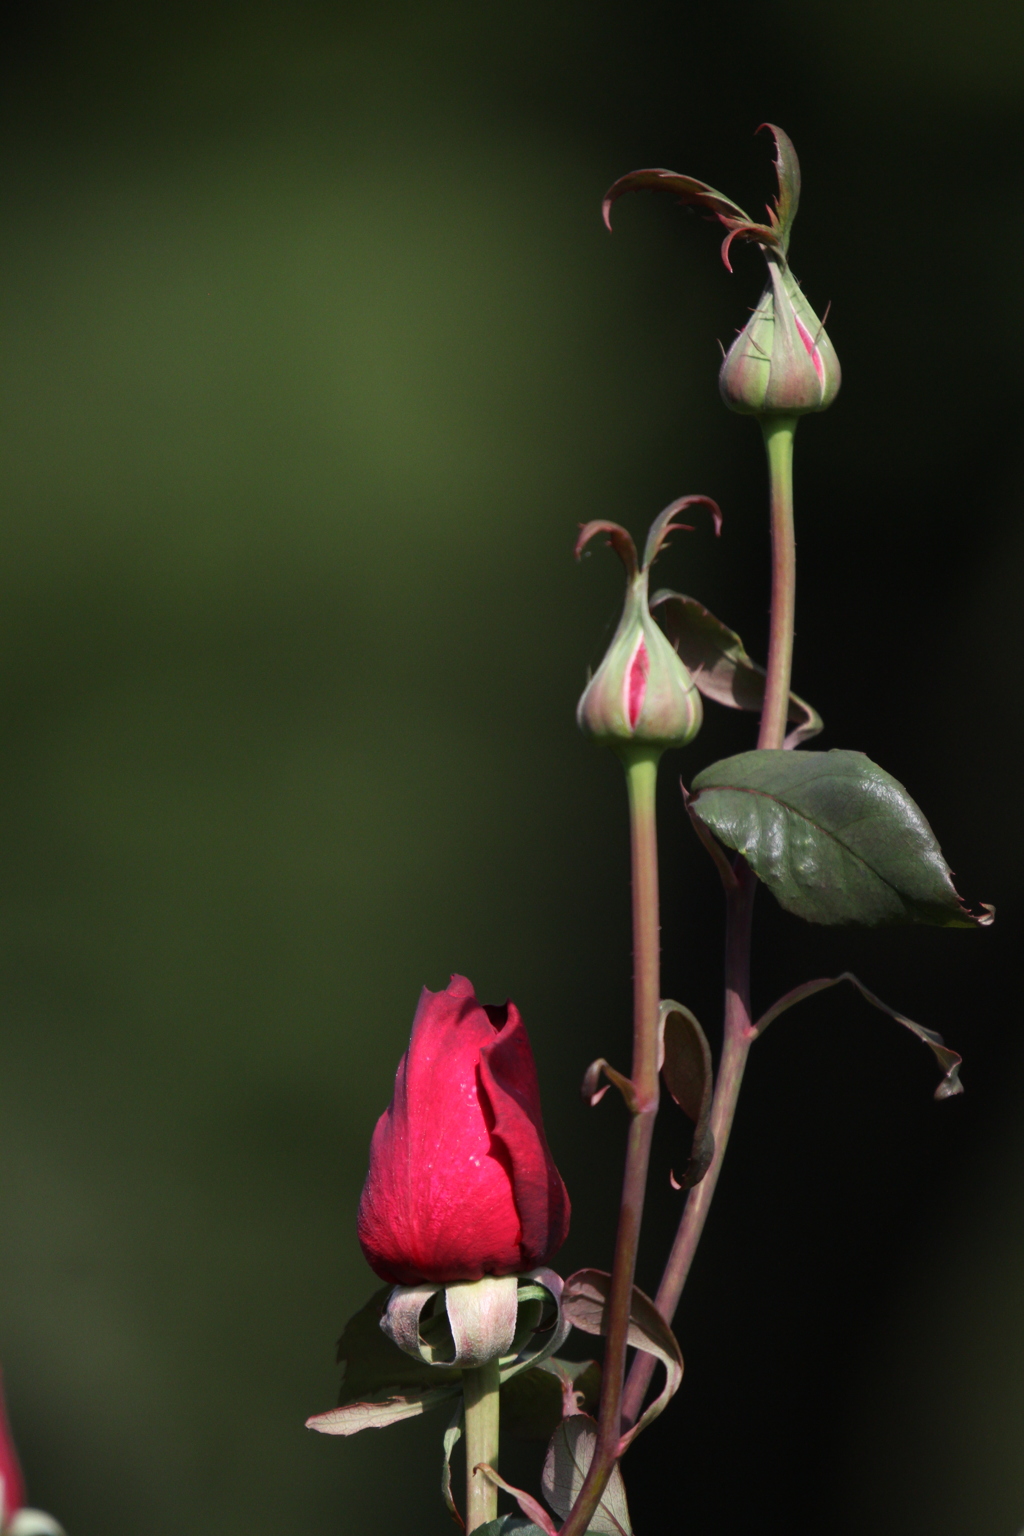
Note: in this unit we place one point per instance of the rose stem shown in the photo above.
(737, 1038)
(736, 1044)
(641, 778)
(778, 441)
(480, 1394)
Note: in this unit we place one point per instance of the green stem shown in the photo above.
(778, 441)
(737, 1036)
(641, 777)
(480, 1394)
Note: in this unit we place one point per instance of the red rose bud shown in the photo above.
(15, 1519)
(461, 1181)
(782, 362)
(12, 1486)
(641, 695)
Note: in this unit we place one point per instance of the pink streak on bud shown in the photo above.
(812, 351)
(636, 683)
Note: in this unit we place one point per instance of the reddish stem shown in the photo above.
(737, 1035)
(737, 1042)
(641, 772)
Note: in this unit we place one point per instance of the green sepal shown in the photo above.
(787, 171)
(834, 837)
(371, 1363)
(774, 235)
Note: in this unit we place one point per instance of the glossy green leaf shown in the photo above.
(532, 1403)
(686, 1069)
(717, 660)
(834, 837)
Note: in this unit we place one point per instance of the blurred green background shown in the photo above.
(316, 356)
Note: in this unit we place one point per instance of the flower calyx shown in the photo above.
(515, 1319)
(782, 363)
(642, 698)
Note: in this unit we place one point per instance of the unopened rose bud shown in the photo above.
(462, 1183)
(12, 1487)
(15, 1518)
(641, 696)
(782, 362)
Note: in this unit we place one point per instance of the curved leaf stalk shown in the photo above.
(641, 774)
(738, 1038)
(480, 1392)
(778, 441)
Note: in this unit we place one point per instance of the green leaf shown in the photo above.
(566, 1465)
(717, 660)
(834, 837)
(531, 1404)
(584, 1300)
(688, 1075)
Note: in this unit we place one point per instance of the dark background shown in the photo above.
(316, 356)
